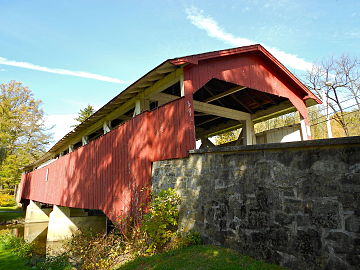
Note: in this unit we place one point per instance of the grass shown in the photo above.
(6, 216)
(9, 261)
(203, 257)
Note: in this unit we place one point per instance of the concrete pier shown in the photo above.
(34, 213)
(65, 222)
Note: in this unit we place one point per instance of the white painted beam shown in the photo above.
(106, 127)
(209, 108)
(249, 133)
(182, 86)
(141, 105)
(85, 140)
(305, 129)
(71, 148)
(220, 111)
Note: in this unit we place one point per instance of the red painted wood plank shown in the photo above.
(110, 172)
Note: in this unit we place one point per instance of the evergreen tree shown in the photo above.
(84, 114)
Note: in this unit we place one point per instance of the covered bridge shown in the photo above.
(105, 162)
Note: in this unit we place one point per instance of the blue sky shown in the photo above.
(74, 53)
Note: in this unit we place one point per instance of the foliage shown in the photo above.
(160, 223)
(22, 254)
(84, 114)
(60, 262)
(95, 251)
(227, 137)
(2, 154)
(198, 257)
(19, 246)
(7, 200)
(23, 135)
(192, 238)
(153, 234)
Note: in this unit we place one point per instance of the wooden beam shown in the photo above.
(305, 130)
(155, 77)
(242, 104)
(218, 129)
(210, 108)
(212, 93)
(200, 114)
(249, 133)
(165, 70)
(106, 127)
(85, 140)
(209, 120)
(274, 111)
(253, 99)
(225, 93)
(145, 84)
(124, 117)
(220, 111)
(205, 143)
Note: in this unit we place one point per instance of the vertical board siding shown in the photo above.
(251, 71)
(113, 173)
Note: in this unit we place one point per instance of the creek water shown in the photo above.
(35, 233)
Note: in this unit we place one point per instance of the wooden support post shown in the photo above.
(71, 148)
(182, 86)
(305, 129)
(85, 140)
(141, 105)
(249, 133)
(240, 138)
(106, 127)
(205, 142)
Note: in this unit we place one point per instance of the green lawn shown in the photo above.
(5, 216)
(202, 257)
(9, 261)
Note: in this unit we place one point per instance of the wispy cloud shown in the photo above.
(212, 28)
(82, 74)
(60, 124)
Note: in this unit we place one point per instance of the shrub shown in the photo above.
(192, 238)
(18, 245)
(7, 200)
(95, 251)
(161, 222)
(158, 228)
(60, 262)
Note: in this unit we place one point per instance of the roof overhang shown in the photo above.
(150, 79)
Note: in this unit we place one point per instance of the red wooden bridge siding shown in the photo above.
(110, 172)
(250, 70)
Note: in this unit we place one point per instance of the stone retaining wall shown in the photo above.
(294, 204)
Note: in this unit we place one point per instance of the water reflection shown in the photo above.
(35, 233)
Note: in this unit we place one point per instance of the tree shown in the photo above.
(337, 80)
(84, 114)
(23, 136)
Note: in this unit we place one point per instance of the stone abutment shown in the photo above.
(295, 204)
